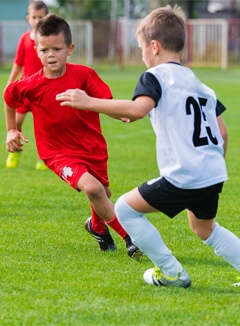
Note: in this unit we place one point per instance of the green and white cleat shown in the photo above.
(154, 276)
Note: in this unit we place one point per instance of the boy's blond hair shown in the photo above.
(166, 25)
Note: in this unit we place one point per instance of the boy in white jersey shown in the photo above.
(191, 144)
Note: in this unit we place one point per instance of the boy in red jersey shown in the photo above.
(69, 141)
(27, 63)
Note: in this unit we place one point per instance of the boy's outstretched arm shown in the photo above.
(132, 110)
(14, 136)
(224, 133)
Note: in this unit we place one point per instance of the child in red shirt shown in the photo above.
(69, 141)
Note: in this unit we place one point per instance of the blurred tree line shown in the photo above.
(85, 9)
(113, 9)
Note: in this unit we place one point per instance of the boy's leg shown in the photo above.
(104, 239)
(97, 228)
(224, 243)
(96, 194)
(132, 250)
(98, 225)
(169, 271)
(103, 209)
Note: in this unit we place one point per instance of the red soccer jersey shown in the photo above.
(63, 131)
(26, 56)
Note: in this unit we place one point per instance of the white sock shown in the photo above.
(144, 235)
(226, 245)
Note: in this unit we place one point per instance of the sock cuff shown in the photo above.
(112, 220)
(209, 240)
(123, 205)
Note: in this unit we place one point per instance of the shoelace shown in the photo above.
(158, 274)
(238, 281)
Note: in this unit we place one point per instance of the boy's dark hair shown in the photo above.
(38, 5)
(54, 25)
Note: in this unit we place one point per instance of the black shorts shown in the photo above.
(171, 200)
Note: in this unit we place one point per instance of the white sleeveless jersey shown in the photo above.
(188, 141)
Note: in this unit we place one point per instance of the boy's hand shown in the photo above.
(13, 142)
(126, 120)
(75, 98)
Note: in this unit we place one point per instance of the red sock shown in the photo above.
(116, 226)
(98, 225)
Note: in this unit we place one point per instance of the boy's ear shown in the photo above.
(155, 47)
(70, 49)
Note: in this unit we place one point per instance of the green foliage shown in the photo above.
(86, 9)
(51, 270)
(96, 10)
(101, 10)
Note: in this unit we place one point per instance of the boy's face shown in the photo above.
(147, 52)
(53, 51)
(34, 16)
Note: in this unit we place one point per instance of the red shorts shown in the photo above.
(25, 108)
(70, 170)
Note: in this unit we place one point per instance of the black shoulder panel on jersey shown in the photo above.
(148, 85)
(220, 108)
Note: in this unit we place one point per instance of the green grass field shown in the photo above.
(51, 269)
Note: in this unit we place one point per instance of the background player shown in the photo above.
(27, 63)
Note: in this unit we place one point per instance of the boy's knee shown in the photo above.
(203, 229)
(94, 190)
(123, 210)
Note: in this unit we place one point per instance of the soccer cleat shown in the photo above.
(12, 160)
(41, 165)
(155, 276)
(105, 240)
(132, 250)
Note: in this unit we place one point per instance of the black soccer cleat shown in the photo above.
(132, 250)
(105, 240)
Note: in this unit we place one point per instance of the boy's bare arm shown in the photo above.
(14, 136)
(133, 110)
(224, 133)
